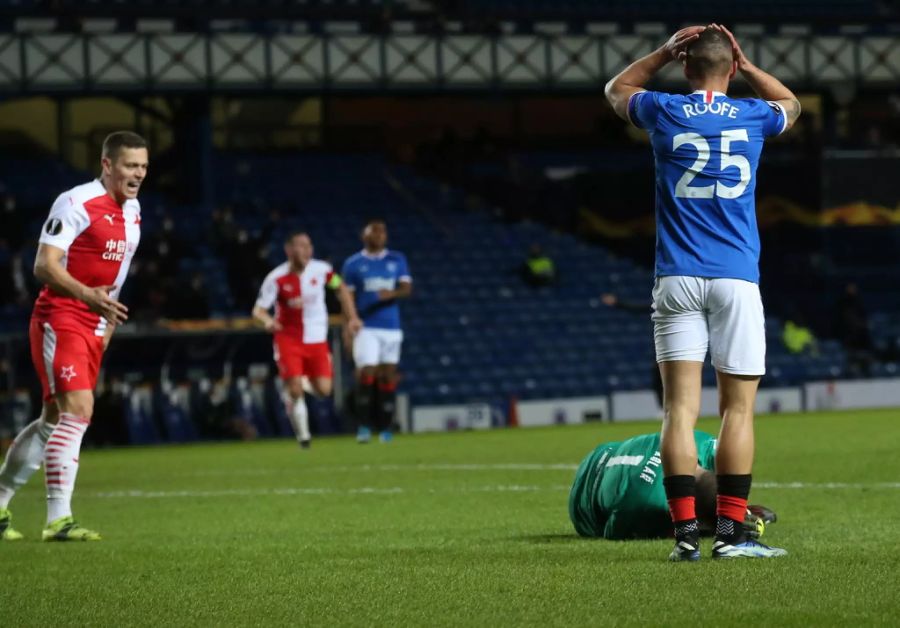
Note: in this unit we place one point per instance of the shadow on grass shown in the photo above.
(574, 538)
(552, 538)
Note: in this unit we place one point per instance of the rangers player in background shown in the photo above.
(379, 278)
(83, 256)
(296, 289)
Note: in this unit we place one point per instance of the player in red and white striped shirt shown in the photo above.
(296, 289)
(83, 257)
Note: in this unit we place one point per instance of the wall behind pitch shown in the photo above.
(872, 393)
(563, 411)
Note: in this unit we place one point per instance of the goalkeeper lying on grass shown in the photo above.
(618, 492)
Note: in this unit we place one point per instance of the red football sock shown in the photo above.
(734, 508)
(682, 509)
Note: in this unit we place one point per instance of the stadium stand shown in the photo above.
(474, 330)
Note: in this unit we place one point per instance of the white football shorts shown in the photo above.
(372, 347)
(693, 314)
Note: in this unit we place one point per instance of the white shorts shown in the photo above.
(693, 314)
(372, 347)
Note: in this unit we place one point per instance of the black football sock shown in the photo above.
(387, 402)
(365, 390)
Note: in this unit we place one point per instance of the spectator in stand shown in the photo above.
(852, 329)
(538, 270)
(798, 338)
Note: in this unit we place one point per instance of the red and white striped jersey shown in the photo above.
(100, 238)
(299, 300)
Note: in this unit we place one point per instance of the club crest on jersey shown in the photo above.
(392, 267)
(115, 250)
(53, 227)
(67, 373)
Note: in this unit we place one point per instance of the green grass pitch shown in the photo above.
(464, 529)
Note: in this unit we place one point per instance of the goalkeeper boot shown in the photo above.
(766, 514)
(7, 532)
(65, 529)
(746, 548)
(363, 435)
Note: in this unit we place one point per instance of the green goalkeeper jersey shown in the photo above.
(618, 490)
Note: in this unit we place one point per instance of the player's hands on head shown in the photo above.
(99, 302)
(679, 41)
(736, 50)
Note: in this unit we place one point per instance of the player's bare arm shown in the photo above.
(633, 78)
(265, 320)
(348, 307)
(764, 84)
(402, 291)
(108, 334)
(48, 269)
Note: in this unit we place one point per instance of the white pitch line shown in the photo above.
(826, 485)
(365, 490)
(513, 466)
(395, 490)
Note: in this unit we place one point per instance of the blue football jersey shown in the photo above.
(706, 147)
(366, 275)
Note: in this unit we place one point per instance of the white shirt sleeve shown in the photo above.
(267, 293)
(67, 220)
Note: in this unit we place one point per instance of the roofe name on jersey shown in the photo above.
(718, 107)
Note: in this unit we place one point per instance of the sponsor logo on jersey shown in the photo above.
(375, 284)
(53, 227)
(109, 218)
(115, 250)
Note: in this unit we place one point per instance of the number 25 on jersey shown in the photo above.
(684, 189)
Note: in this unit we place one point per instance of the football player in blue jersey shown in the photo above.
(706, 294)
(379, 278)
